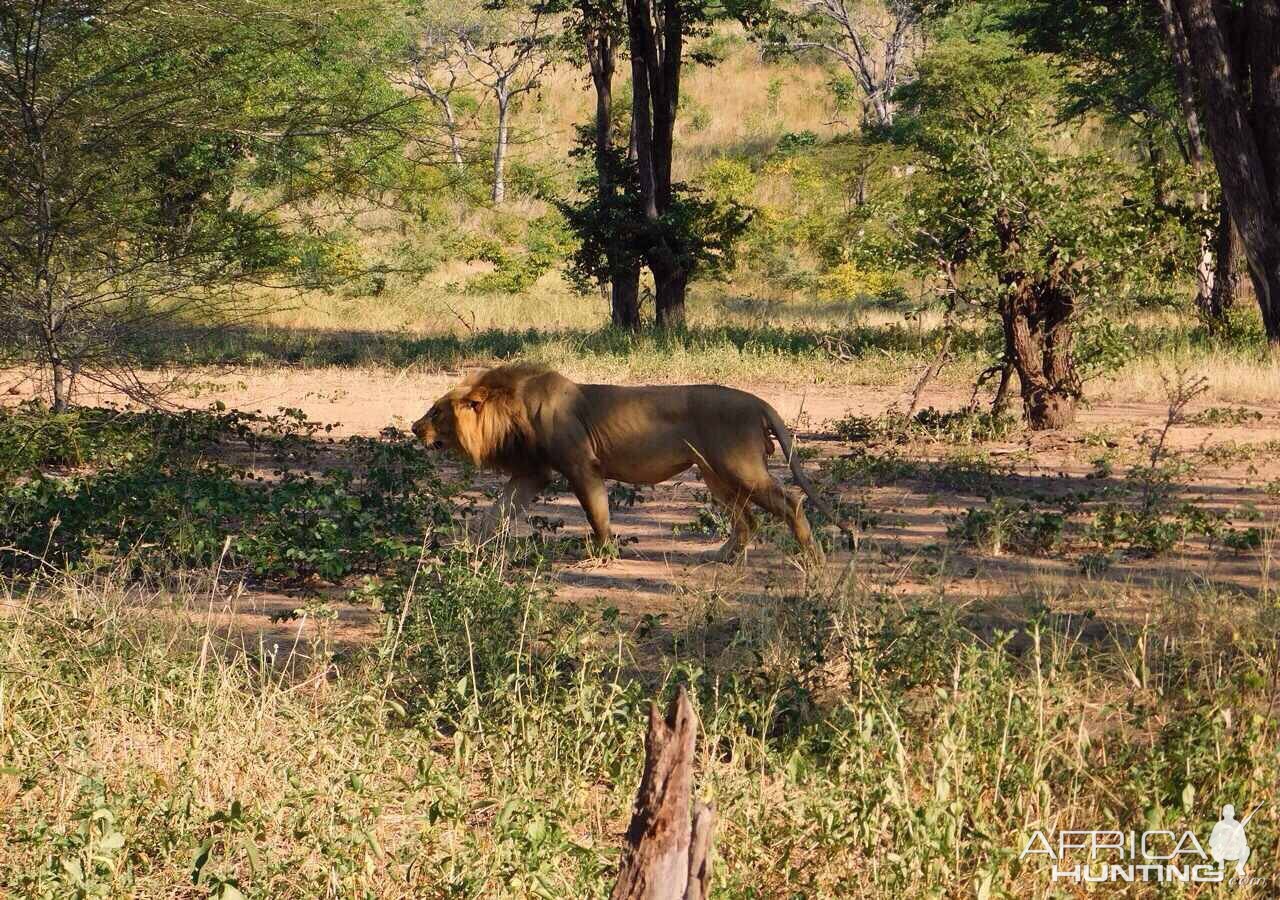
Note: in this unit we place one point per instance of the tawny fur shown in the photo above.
(531, 423)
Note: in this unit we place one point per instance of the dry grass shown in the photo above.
(875, 750)
(1232, 375)
(726, 109)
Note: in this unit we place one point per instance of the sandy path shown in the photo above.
(664, 575)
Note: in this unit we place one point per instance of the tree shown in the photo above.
(1235, 52)
(873, 40)
(436, 70)
(1003, 220)
(656, 29)
(615, 235)
(504, 47)
(683, 233)
(606, 222)
(1128, 60)
(124, 127)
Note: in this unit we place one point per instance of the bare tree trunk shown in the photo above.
(451, 126)
(500, 150)
(1000, 403)
(667, 855)
(932, 370)
(1038, 338)
(61, 385)
(624, 298)
(883, 111)
(1227, 270)
(1243, 130)
(670, 285)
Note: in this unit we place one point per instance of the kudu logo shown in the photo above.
(1160, 855)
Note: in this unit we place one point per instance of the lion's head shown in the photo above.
(438, 427)
(481, 419)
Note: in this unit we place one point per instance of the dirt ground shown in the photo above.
(664, 579)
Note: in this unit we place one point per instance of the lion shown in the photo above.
(530, 423)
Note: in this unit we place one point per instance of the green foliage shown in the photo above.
(1002, 207)
(457, 631)
(546, 243)
(793, 142)
(849, 280)
(1006, 525)
(993, 196)
(165, 494)
(614, 234)
(929, 424)
(515, 733)
(130, 207)
(729, 181)
(1226, 415)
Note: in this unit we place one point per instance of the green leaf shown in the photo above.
(199, 861)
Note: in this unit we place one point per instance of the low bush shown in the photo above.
(261, 494)
(954, 427)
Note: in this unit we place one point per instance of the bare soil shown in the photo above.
(664, 581)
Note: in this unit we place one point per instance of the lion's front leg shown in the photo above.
(589, 488)
(513, 502)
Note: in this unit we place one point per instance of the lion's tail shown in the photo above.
(779, 428)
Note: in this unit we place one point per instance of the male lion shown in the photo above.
(530, 423)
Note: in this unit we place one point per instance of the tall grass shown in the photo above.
(489, 744)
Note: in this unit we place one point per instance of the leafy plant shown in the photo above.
(162, 498)
(955, 427)
(1006, 525)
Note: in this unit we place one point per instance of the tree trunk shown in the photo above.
(624, 273)
(1184, 78)
(1227, 270)
(670, 284)
(666, 855)
(1000, 403)
(657, 48)
(61, 385)
(881, 110)
(1208, 259)
(624, 298)
(451, 125)
(1038, 339)
(1243, 130)
(500, 151)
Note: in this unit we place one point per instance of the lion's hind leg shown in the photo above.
(770, 496)
(736, 501)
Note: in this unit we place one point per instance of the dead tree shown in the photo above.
(507, 58)
(875, 42)
(667, 852)
(436, 70)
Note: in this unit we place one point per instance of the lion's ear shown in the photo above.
(476, 399)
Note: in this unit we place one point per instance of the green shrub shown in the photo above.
(1005, 525)
(849, 281)
(163, 500)
(794, 142)
(954, 427)
(729, 180)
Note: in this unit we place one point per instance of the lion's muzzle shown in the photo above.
(424, 432)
